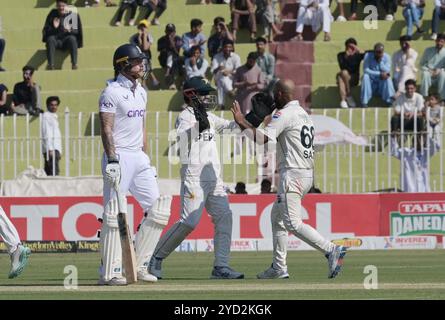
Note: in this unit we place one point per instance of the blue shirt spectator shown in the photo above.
(376, 78)
(194, 38)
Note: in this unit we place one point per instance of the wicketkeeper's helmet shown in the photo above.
(196, 88)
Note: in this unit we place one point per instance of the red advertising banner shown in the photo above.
(334, 216)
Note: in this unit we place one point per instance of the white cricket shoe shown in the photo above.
(351, 102)
(335, 260)
(19, 260)
(389, 17)
(155, 267)
(143, 275)
(341, 19)
(225, 273)
(116, 281)
(434, 36)
(272, 273)
(344, 104)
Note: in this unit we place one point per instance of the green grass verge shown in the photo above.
(404, 274)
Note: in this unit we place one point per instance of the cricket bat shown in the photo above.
(128, 253)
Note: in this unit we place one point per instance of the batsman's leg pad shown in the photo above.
(161, 210)
(150, 230)
(111, 250)
(171, 239)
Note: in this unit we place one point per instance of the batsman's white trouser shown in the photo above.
(8, 232)
(286, 216)
(138, 177)
(195, 196)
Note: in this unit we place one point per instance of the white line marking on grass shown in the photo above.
(158, 287)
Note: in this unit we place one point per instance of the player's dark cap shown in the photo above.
(125, 53)
(198, 84)
(170, 27)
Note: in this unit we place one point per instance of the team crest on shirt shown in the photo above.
(276, 115)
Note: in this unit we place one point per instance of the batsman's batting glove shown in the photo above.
(113, 172)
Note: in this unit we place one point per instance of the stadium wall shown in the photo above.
(347, 217)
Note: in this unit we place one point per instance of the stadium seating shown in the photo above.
(312, 64)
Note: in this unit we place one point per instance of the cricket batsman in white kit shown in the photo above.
(293, 130)
(126, 166)
(201, 185)
(19, 254)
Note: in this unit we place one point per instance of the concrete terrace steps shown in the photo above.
(16, 18)
(88, 57)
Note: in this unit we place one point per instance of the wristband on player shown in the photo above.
(113, 159)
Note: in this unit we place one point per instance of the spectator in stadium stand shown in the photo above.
(169, 47)
(404, 64)
(243, 14)
(265, 10)
(409, 103)
(240, 188)
(265, 60)
(125, 5)
(432, 66)
(2, 49)
(196, 65)
(413, 13)
(220, 33)
(26, 95)
(349, 76)
(159, 6)
(62, 30)
(414, 171)
(224, 65)
(266, 186)
(342, 16)
(248, 81)
(143, 39)
(377, 77)
(317, 14)
(194, 38)
(390, 7)
(51, 137)
(433, 102)
(438, 14)
(4, 108)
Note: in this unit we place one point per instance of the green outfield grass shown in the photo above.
(403, 274)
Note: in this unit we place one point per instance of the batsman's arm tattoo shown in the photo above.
(106, 132)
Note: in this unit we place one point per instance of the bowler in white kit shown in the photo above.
(126, 166)
(201, 184)
(294, 132)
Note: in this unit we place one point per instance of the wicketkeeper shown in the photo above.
(126, 166)
(201, 185)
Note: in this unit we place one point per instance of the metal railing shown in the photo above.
(339, 168)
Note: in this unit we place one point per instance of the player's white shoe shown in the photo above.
(225, 273)
(272, 273)
(335, 260)
(116, 281)
(155, 267)
(19, 260)
(143, 275)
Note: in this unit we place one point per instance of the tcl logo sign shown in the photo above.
(334, 216)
